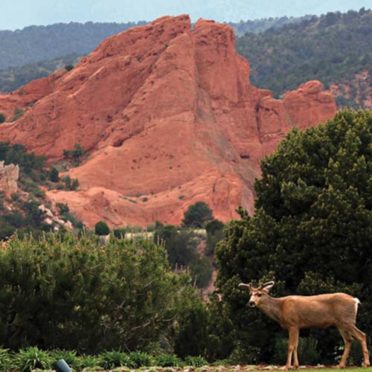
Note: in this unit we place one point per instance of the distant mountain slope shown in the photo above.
(335, 49)
(42, 43)
(13, 78)
(257, 26)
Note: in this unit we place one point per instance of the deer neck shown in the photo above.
(271, 307)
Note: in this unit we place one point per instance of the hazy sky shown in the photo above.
(20, 13)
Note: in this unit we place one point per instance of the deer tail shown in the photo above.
(357, 303)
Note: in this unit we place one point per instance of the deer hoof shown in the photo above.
(366, 365)
(341, 365)
(296, 366)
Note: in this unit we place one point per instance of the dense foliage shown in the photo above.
(331, 48)
(62, 291)
(33, 358)
(197, 215)
(312, 231)
(182, 249)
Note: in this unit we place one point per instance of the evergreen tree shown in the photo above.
(312, 229)
(197, 215)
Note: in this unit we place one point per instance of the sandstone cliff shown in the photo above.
(168, 117)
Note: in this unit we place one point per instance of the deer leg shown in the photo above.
(361, 337)
(296, 364)
(293, 338)
(347, 340)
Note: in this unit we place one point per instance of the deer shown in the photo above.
(320, 311)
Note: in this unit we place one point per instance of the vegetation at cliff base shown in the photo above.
(311, 232)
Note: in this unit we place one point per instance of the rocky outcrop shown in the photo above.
(168, 117)
(9, 175)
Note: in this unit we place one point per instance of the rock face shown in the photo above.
(9, 175)
(168, 117)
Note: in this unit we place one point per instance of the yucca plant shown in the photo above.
(167, 360)
(32, 358)
(113, 359)
(69, 356)
(139, 359)
(6, 359)
(89, 362)
(195, 361)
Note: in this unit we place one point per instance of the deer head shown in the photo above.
(257, 294)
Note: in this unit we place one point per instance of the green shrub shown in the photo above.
(62, 208)
(197, 215)
(89, 361)
(54, 175)
(101, 228)
(18, 112)
(75, 154)
(69, 67)
(139, 359)
(69, 293)
(195, 361)
(6, 359)
(70, 357)
(120, 233)
(32, 358)
(2, 118)
(113, 359)
(167, 360)
(70, 184)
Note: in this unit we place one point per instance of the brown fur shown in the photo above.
(322, 311)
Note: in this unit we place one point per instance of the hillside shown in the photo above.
(335, 48)
(44, 43)
(165, 116)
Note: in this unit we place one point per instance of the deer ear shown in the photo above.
(267, 286)
(244, 285)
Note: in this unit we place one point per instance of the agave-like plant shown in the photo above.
(32, 358)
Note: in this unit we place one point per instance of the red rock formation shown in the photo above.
(169, 118)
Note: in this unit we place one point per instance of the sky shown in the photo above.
(17, 14)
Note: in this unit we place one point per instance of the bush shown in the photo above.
(75, 154)
(197, 215)
(195, 361)
(6, 360)
(68, 292)
(167, 360)
(54, 175)
(2, 118)
(138, 359)
(70, 357)
(69, 67)
(120, 233)
(101, 228)
(32, 358)
(70, 184)
(113, 359)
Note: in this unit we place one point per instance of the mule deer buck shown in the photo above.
(321, 311)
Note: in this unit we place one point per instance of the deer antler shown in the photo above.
(245, 285)
(267, 284)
